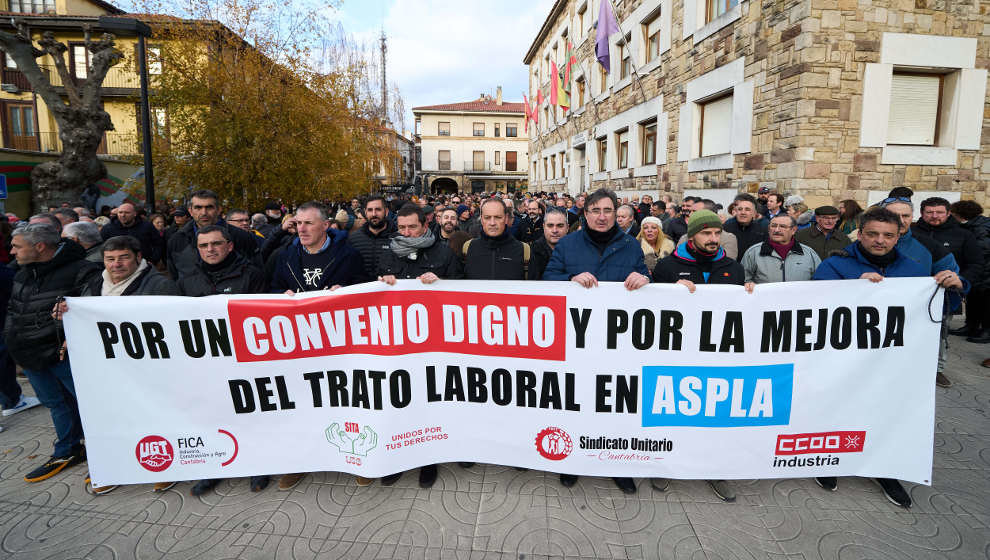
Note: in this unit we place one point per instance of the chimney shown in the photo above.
(498, 95)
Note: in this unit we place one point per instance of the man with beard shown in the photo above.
(204, 207)
(554, 229)
(128, 222)
(599, 252)
(372, 239)
(530, 226)
(700, 260)
(416, 253)
(448, 223)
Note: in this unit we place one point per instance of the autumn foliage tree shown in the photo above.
(251, 113)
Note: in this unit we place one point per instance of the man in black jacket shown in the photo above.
(554, 229)
(748, 230)
(945, 229)
(50, 268)
(495, 254)
(125, 273)
(416, 253)
(221, 270)
(530, 226)
(970, 216)
(128, 222)
(372, 239)
(204, 207)
(700, 260)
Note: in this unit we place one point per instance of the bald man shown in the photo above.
(127, 222)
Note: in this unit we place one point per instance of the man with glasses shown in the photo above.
(204, 207)
(822, 236)
(599, 252)
(781, 258)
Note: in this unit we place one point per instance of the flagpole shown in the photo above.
(631, 58)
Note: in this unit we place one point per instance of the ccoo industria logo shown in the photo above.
(717, 397)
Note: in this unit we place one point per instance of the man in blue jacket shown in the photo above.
(599, 252)
(875, 256)
(319, 259)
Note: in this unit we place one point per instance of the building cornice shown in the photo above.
(555, 12)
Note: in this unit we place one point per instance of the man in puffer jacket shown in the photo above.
(970, 216)
(50, 268)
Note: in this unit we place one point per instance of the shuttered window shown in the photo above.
(913, 109)
(716, 125)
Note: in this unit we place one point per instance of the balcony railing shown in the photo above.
(121, 77)
(472, 165)
(16, 78)
(114, 143)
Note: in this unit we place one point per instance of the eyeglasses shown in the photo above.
(601, 211)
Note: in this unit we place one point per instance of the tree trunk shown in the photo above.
(80, 117)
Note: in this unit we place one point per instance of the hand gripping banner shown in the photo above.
(796, 380)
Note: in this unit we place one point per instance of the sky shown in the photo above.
(449, 51)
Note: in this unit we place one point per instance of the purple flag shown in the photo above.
(606, 27)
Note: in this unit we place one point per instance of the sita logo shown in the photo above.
(154, 453)
(554, 443)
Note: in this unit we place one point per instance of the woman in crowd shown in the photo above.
(654, 243)
(849, 212)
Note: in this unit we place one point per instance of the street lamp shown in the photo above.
(142, 30)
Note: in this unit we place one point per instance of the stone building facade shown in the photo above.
(831, 99)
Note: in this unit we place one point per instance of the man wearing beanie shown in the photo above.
(700, 260)
(599, 252)
(823, 236)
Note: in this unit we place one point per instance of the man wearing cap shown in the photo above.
(273, 217)
(700, 260)
(761, 201)
(823, 236)
(179, 218)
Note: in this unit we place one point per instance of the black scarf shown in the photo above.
(601, 239)
(213, 269)
(703, 259)
(881, 261)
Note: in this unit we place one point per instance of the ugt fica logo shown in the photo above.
(154, 453)
(351, 440)
(554, 443)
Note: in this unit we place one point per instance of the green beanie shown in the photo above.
(702, 219)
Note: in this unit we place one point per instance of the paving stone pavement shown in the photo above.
(491, 512)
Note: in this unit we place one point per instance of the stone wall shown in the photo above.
(806, 59)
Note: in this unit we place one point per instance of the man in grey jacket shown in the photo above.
(781, 258)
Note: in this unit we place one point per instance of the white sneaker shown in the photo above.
(24, 404)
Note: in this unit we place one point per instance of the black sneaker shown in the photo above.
(962, 331)
(391, 479)
(427, 476)
(894, 492)
(204, 486)
(722, 490)
(55, 465)
(983, 338)
(568, 480)
(259, 483)
(660, 484)
(627, 485)
(829, 483)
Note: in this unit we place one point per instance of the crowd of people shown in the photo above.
(200, 249)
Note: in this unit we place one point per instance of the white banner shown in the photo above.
(796, 380)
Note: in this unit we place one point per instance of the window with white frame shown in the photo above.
(443, 160)
(443, 129)
(651, 37)
(716, 126)
(924, 100)
(582, 19)
(914, 103)
(716, 8)
(649, 143)
(602, 154)
(625, 57)
(622, 151)
(478, 129)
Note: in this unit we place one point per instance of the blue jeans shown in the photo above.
(10, 390)
(55, 390)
